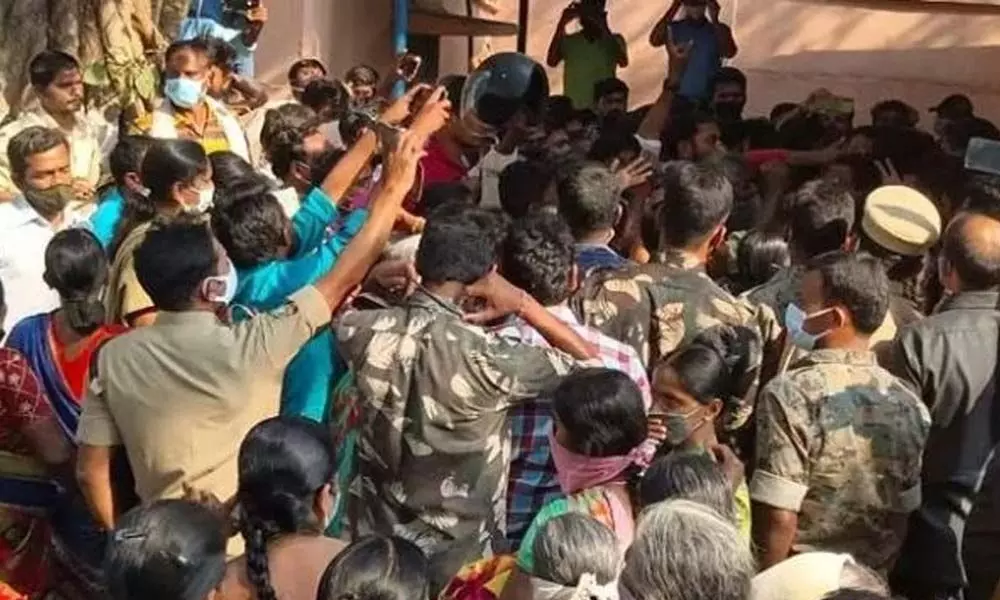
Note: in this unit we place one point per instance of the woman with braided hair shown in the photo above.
(284, 503)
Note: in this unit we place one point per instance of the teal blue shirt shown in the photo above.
(105, 219)
(312, 373)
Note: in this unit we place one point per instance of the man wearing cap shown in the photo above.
(957, 110)
(899, 226)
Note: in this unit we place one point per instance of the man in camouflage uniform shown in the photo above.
(839, 439)
(657, 307)
(821, 219)
(434, 443)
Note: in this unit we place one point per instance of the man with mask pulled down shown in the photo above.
(40, 168)
(187, 112)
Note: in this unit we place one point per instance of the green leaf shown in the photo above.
(96, 74)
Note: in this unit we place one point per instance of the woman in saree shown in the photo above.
(32, 447)
(59, 347)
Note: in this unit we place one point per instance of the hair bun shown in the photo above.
(736, 345)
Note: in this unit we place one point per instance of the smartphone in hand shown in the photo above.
(408, 66)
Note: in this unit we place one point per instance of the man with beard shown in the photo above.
(592, 54)
(40, 167)
(711, 41)
(57, 81)
(729, 95)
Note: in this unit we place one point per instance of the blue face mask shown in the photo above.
(184, 92)
(795, 319)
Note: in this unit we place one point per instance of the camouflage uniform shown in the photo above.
(658, 307)
(839, 441)
(778, 293)
(434, 445)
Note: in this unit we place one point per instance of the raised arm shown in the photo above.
(655, 122)
(555, 54)
(658, 37)
(504, 298)
(723, 33)
(342, 176)
(365, 249)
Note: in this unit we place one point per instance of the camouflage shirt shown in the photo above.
(658, 307)
(839, 441)
(434, 445)
(778, 293)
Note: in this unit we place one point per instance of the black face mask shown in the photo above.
(728, 112)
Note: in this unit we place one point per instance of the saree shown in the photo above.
(77, 542)
(26, 491)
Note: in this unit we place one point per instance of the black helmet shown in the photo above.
(501, 86)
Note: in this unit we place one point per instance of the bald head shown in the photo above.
(972, 249)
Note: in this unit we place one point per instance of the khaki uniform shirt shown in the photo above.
(435, 443)
(658, 307)
(839, 441)
(181, 394)
(126, 296)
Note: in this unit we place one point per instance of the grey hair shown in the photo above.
(856, 576)
(570, 545)
(687, 551)
(688, 476)
(31, 141)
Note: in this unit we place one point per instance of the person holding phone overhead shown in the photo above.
(592, 54)
(237, 22)
(710, 41)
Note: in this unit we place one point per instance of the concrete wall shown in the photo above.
(341, 33)
(790, 48)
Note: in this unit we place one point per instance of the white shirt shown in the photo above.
(84, 145)
(24, 235)
(488, 171)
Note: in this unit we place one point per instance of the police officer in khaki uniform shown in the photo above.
(181, 394)
(898, 227)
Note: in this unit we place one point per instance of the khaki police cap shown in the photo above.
(901, 220)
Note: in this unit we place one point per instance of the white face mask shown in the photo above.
(229, 279)
(206, 198)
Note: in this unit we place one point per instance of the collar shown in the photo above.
(40, 115)
(186, 317)
(989, 300)
(21, 213)
(832, 356)
(585, 246)
(434, 303)
(680, 260)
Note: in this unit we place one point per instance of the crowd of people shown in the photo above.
(480, 341)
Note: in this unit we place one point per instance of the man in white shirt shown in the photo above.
(57, 82)
(39, 161)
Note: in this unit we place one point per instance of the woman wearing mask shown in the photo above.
(179, 178)
(60, 347)
(285, 501)
(599, 425)
(376, 568)
(691, 391)
(170, 550)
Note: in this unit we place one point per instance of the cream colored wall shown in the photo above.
(342, 33)
(790, 48)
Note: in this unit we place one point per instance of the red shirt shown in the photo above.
(439, 166)
(755, 159)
